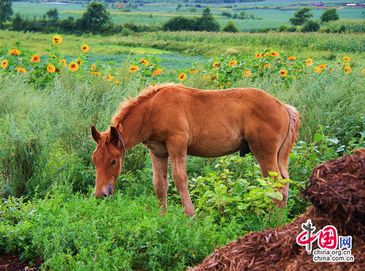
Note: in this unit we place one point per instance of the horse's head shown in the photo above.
(107, 158)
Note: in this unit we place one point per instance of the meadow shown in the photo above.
(269, 14)
(53, 88)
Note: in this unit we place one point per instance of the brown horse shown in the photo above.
(174, 121)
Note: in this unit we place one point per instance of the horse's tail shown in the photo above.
(289, 141)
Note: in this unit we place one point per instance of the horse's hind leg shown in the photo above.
(159, 166)
(267, 157)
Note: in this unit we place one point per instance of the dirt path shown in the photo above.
(12, 263)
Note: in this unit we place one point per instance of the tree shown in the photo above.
(329, 15)
(52, 15)
(95, 19)
(6, 11)
(301, 17)
(311, 26)
(230, 27)
(207, 22)
(17, 23)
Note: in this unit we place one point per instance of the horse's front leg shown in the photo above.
(159, 167)
(178, 156)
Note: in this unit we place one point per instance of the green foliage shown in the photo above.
(230, 27)
(234, 189)
(6, 11)
(71, 232)
(329, 15)
(301, 16)
(204, 23)
(95, 19)
(311, 26)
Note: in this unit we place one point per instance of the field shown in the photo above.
(269, 13)
(53, 88)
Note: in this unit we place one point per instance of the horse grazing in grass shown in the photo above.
(174, 121)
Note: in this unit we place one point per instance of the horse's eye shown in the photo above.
(113, 162)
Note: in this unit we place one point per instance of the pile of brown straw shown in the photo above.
(337, 192)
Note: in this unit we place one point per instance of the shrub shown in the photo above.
(230, 27)
(311, 26)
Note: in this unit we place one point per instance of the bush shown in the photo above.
(230, 27)
(311, 26)
(180, 23)
(204, 23)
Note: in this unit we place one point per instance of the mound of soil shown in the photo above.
(12, 263)
(337, 192)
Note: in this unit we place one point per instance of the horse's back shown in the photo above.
(217, 122)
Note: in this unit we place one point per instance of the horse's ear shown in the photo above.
(95, 133)
(114, 135)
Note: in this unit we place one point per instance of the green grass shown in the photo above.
(74, 232)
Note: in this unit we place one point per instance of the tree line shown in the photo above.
(97, 20)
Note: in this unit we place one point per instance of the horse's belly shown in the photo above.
(214, 148)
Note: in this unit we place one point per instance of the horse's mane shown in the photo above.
(128, 105)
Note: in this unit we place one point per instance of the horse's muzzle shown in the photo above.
(106, 191)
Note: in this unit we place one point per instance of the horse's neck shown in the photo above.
(132, 126)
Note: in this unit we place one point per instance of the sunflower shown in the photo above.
(133, 68)
(274, 54)
(79, 61)
(57, 39)
(232, 63)
(35, 59)
(51, 68)
(14, 52)
(317, 69)
(73, 67)
(156, 72)
(93, 67)
(292, 58)
(266, 54)
(216, 64)
(21, 70)
(267, 65)
(95, 73)
(246, 73)
(322, 66)
(63, 62)
(309, 62)
(144, 62)
(193, 71)
(283, 73)
(258, 55)
(4, 63)
(182, 76)
(85, 48)
(347, 69)
(117, 81)
(346, 58)
(109, 77)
